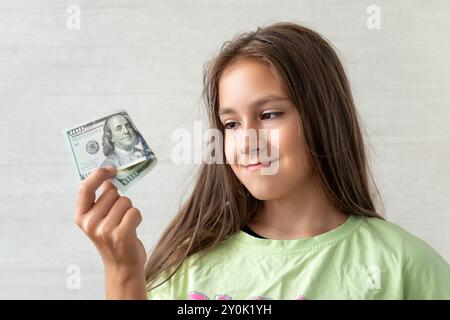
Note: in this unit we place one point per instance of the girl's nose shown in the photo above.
(249, 140)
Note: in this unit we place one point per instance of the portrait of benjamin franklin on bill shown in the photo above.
(122, 143)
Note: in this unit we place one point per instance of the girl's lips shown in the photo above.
(257, 166)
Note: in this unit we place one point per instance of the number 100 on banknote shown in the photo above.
(114, 141)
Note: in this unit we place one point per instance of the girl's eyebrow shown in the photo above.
(257, 103)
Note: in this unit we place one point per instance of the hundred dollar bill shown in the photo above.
(112, 140)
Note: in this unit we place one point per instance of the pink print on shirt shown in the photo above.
(196, 295)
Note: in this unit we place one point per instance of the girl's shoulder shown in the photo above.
(195, 264)
(393, 236)
(413, 252)
(425, 273)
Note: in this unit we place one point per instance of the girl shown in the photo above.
(311, 230)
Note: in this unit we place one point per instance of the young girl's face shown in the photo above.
(252, 98)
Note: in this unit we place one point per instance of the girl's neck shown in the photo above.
(301, 214)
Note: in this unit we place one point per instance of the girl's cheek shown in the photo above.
(274, 143)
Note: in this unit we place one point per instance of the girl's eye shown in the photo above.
(265, 116)
(227, 125)
(271, 115)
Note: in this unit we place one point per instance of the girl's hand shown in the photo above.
(111, 224)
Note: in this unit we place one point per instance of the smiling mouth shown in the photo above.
(258, 165)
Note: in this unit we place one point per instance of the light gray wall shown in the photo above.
(147, 57)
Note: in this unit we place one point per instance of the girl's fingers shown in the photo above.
(117, 211)
(89, 222)
(86, 193)
(107, 185)
(103, 205)
(130, 222)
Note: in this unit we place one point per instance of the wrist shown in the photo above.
(125, 283)
(124, 273)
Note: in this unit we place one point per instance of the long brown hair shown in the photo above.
(316, 83)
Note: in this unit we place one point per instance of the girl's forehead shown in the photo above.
(246, 67)
(248, 80)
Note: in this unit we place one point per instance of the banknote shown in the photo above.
(112, 140)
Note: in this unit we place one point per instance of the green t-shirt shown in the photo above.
(364, 258)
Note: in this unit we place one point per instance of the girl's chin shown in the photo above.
(264, 197)
(264, 193)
